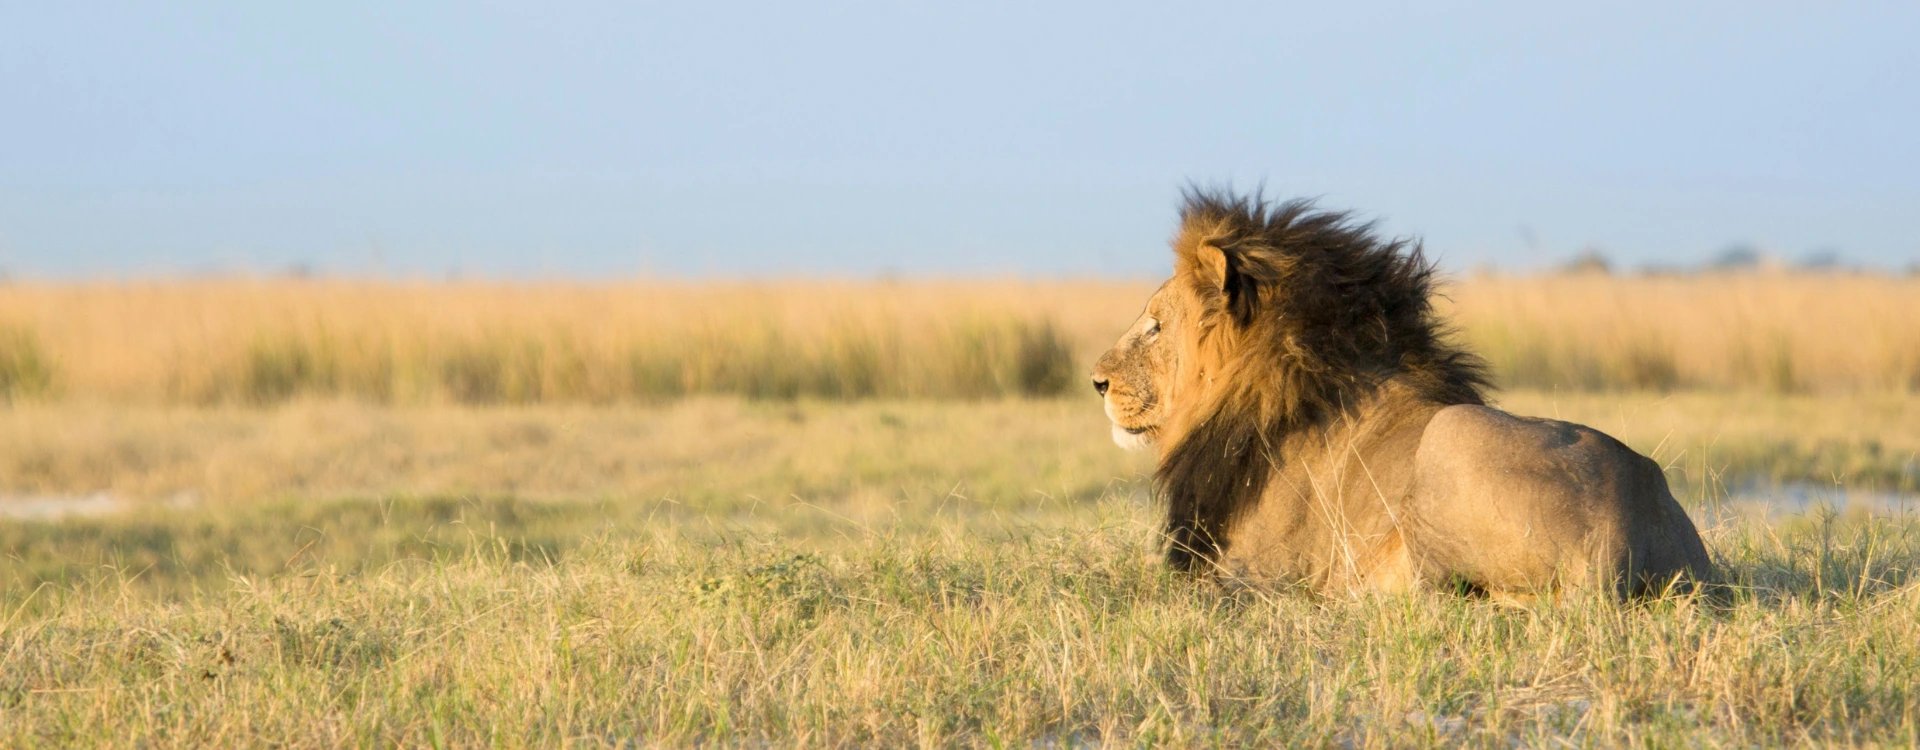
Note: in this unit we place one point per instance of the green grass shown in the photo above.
(721, 456)
(878, 574)
(439, 621)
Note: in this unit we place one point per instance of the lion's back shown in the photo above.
(1521, 502)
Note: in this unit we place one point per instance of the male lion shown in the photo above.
(1315, 427)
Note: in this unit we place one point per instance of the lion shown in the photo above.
(1315, 427)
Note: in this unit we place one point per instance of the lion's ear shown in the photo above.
(1222, 269)
(1213, 266)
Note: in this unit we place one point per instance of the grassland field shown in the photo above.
(343, 513)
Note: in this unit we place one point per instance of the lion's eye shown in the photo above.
(1153, 327)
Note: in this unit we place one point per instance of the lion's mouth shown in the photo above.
(1128, 433)
(1134, 438)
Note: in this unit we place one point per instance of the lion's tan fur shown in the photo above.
(1315, 425)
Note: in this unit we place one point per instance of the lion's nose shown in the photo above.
(1100, 384)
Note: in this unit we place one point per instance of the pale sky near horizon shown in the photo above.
(592, 139)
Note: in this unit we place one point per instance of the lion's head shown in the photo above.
(1163, 364)
(1277, 317)
(1136, 377)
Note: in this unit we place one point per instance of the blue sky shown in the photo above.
(591, 139)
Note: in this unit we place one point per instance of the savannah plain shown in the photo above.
(312, 512)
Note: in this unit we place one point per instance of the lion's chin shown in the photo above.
(1130, 440)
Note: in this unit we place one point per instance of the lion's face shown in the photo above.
(1136, 377)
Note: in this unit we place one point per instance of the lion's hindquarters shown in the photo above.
(1666, 547)
(1524, 505)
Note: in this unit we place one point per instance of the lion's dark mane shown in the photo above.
(1325, 312)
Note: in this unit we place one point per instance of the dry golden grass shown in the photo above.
(475, 342)
(1768, 332)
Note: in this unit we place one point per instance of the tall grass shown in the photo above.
(972, 358)
(264, 341)
(24, 368)
(1777, 333)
